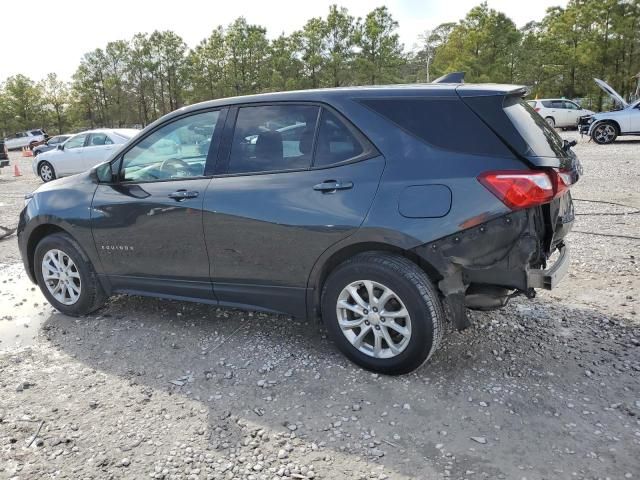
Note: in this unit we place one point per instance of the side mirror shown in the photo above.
(60, 146)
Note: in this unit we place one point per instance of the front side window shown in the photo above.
(336, 143)
(571, 106)
(273, 137)
(75, 142)
(176, 150)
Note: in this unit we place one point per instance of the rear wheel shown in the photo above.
(551, 121)
(66, 277)
(46, 172)
(383, 312)
(604, 133)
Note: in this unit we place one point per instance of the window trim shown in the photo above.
(222, 165)
(211, 155)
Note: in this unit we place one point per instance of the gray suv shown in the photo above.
(385, 211)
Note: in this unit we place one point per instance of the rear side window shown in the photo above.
(444, 123)
(273, 137)
(336, 143)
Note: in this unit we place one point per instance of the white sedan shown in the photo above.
(80, 152)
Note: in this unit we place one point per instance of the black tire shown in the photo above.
(605, 133)
(412, 286)
(42, 169)
(551, 121)
(92, 295)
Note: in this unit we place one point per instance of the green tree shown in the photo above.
(56, 97)
(311, 39)
(339, 40)
(380, 55)
(24, 105)
(247, 57)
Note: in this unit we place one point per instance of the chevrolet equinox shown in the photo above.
(385, 211)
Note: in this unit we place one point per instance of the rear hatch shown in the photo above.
(539, 146)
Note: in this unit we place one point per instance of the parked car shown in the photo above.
(605, 127)
(50, 144)
(29, 138)
(80, 152)
(559, 112)
(4, 154)
(391, 206)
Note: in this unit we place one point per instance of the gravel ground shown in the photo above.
(543, 389)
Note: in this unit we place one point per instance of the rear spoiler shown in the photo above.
(453, 77)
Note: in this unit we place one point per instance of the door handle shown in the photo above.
(330, 186)
(180, 195)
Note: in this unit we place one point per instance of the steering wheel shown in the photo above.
(176, 164)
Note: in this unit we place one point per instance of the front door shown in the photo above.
(148, 225)
(70, 159)
(278, 205)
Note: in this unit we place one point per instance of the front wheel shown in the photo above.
(46, 172)
(66, 277)
(604, 133)
(383, 312)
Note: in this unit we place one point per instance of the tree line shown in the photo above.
(134, 82)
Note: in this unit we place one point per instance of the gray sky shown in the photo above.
(55, 39)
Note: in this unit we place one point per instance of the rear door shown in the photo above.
(294, 179)
(98, 148)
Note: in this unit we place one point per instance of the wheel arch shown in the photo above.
(605, 120)
(324, 266)
(38, 233)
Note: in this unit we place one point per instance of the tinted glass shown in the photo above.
(442, 123)
(547, 103)
(275, 137)
(571, 106)
(542, 140)
(557, 104)
(75, 142)
(336, 143)
(176, 150)
(36, 132)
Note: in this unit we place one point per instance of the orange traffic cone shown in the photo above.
(16, 171)
(26, 152)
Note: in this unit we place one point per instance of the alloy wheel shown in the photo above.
(374, 319)
(61, 277)
(604, 133)
(46, 173)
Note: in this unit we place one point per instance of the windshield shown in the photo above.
(542, 140)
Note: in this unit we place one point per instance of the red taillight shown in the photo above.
(537, 109)
(524, 188)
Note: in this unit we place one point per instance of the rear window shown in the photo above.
(444, 123)
(542, 140)
(36, 132)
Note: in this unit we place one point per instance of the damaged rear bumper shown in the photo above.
(480, 267)
(550, 277)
